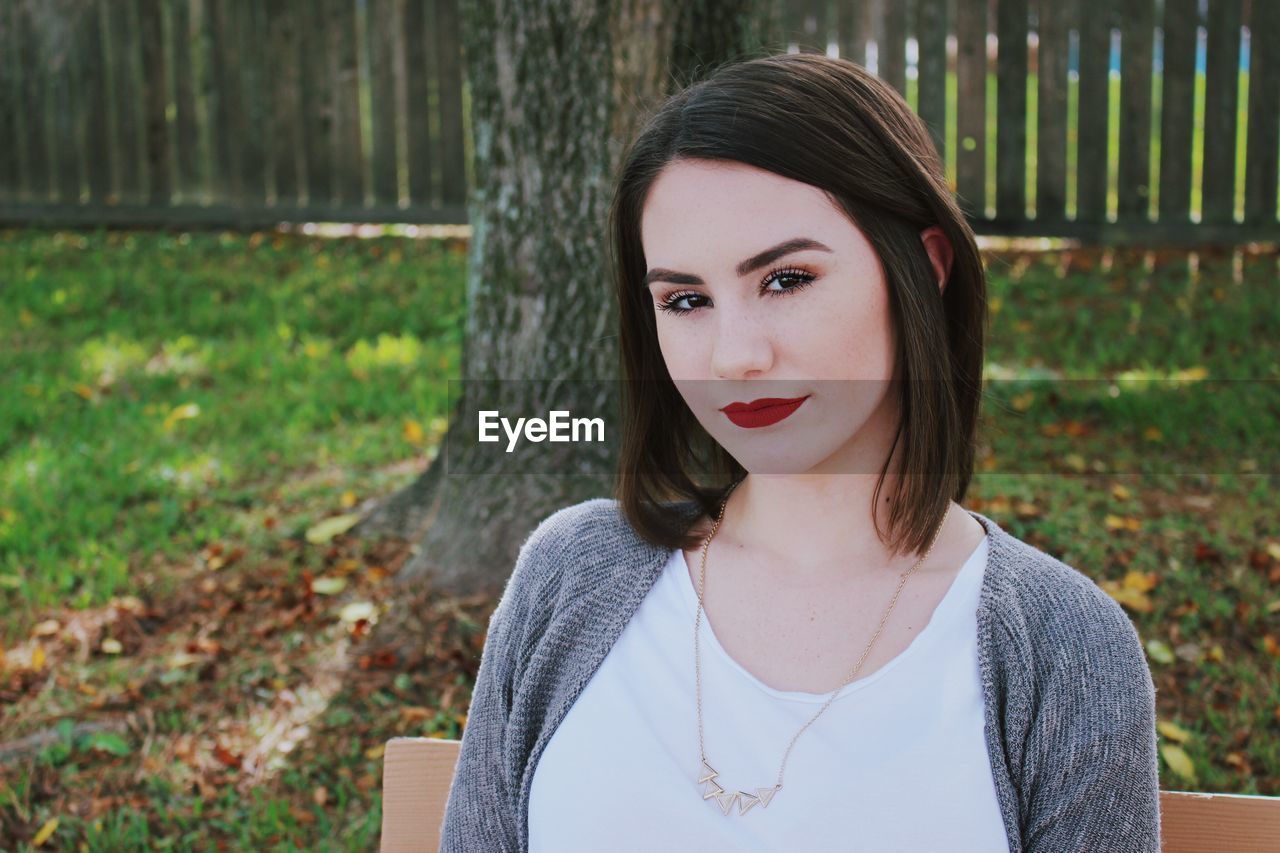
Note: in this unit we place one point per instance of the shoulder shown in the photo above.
(1057, 624)
(596, 523)
(1076, 709)
(580, 547)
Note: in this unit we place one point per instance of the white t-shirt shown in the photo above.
(898, 762)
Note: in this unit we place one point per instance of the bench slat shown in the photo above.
(418, 772)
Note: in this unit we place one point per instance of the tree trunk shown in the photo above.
(556, 88)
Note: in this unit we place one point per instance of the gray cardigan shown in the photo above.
(1069, 700)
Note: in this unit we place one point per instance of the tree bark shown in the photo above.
(557, 88)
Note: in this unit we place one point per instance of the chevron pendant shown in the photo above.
(762, 797)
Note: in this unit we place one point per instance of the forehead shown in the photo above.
(704, 209)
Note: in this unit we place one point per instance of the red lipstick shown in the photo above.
(763, 412)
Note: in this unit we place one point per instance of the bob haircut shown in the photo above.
(831, 124)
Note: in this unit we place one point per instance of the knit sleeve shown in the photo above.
(479, 813)
(1093, 774)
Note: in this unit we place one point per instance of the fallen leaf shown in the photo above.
(1141, 581)
(331, 527)
(1173, 731)
(1179, 762)
(415, 713)
(413, 432)
(226, 756)
(47, 628)
(1026, 509)
(1207, 553)
(1239, 762)
(181, 413)
(1189, 652)
(1159, 651)
(1120, 522)
(357, 610)
(45, 833)
(328, 585)
(1134, 599)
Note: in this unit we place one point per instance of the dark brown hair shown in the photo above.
(833, 125)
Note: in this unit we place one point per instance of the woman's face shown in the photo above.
(741, 316)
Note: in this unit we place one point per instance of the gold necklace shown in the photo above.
(707, 774)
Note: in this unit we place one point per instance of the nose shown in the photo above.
(743, 347)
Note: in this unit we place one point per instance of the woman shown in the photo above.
(788, 255)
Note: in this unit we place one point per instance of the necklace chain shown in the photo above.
(707, 774)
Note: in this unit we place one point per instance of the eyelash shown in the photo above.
(805, 279)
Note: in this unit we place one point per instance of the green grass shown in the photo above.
(157, 387)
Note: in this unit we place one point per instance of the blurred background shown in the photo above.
(244, 248)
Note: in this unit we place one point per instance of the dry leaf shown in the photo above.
(413, 432)
(1120, 522)
(1173, 731)
(1134, 599)
(47, 628)
(1141, 581)
(357, 610)
(331, 527)
(45, 833)
(181, 413)
(1179, 762)
(1159, 651)
(328, 585)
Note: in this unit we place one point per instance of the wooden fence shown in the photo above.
(1109, 120)
(235, 112)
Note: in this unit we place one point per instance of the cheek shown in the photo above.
(858, 342)
(675, 345)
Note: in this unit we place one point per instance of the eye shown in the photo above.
(803, 279)
(669, 304)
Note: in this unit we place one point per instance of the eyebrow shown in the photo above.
(751, 264)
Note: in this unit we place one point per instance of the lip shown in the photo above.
(763, 412)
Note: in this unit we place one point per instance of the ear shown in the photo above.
(940, 253)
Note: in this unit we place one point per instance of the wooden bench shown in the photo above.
(418, 772)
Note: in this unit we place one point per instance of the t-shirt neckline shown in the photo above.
(942, 615)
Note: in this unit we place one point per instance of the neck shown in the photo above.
(816, 524)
